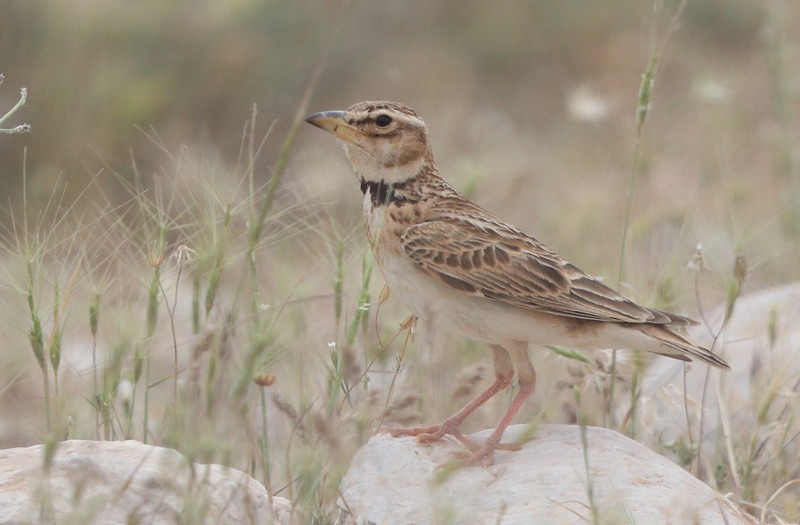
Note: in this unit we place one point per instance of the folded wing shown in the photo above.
(496, 261)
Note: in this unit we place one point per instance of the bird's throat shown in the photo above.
(382, 192)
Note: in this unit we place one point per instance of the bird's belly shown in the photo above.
(476, 317)
(490, 321)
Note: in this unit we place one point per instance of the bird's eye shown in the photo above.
(383, 120)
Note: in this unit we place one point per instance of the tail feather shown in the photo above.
(675, 319)
(684, 346)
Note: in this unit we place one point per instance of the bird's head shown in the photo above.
(385, 141)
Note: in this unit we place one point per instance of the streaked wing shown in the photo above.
(484, 257)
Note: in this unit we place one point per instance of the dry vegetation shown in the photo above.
(172, 276)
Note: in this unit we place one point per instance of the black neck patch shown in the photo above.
(381, 193)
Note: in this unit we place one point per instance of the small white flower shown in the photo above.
(585, 106)
(182, 254)
(712, 90)
(697, 262)
(125, 392)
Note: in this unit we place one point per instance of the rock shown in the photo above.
(123, 482)
(760, 341)
(399, 481)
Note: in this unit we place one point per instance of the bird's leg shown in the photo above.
(504, 373)
(527, 382)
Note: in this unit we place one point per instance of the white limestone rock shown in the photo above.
(123, 482)
(761, 341)
(400, 481)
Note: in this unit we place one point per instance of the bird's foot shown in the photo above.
(437, 432)
(430, 433)
(448, 427)
(484, 454)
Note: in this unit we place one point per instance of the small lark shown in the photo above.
(449, 259)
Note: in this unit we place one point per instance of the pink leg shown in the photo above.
(504, 373)
(527, 383)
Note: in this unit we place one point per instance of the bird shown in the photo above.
(446, 258)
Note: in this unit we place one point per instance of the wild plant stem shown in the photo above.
(22, 128)
(642, 108)
(625, 228)
(264, 441)
(171, 314)
(585, 447)
(47, 416)
(94, 316)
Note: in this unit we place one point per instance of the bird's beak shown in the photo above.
(334, 122)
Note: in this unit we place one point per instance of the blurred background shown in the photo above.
(531, 106)
(142, 141)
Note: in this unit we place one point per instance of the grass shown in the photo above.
(21, 128)
(244, 323)
(190, 349)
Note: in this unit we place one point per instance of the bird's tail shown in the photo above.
(684, 348)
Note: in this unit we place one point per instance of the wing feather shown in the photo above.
(487, 258)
